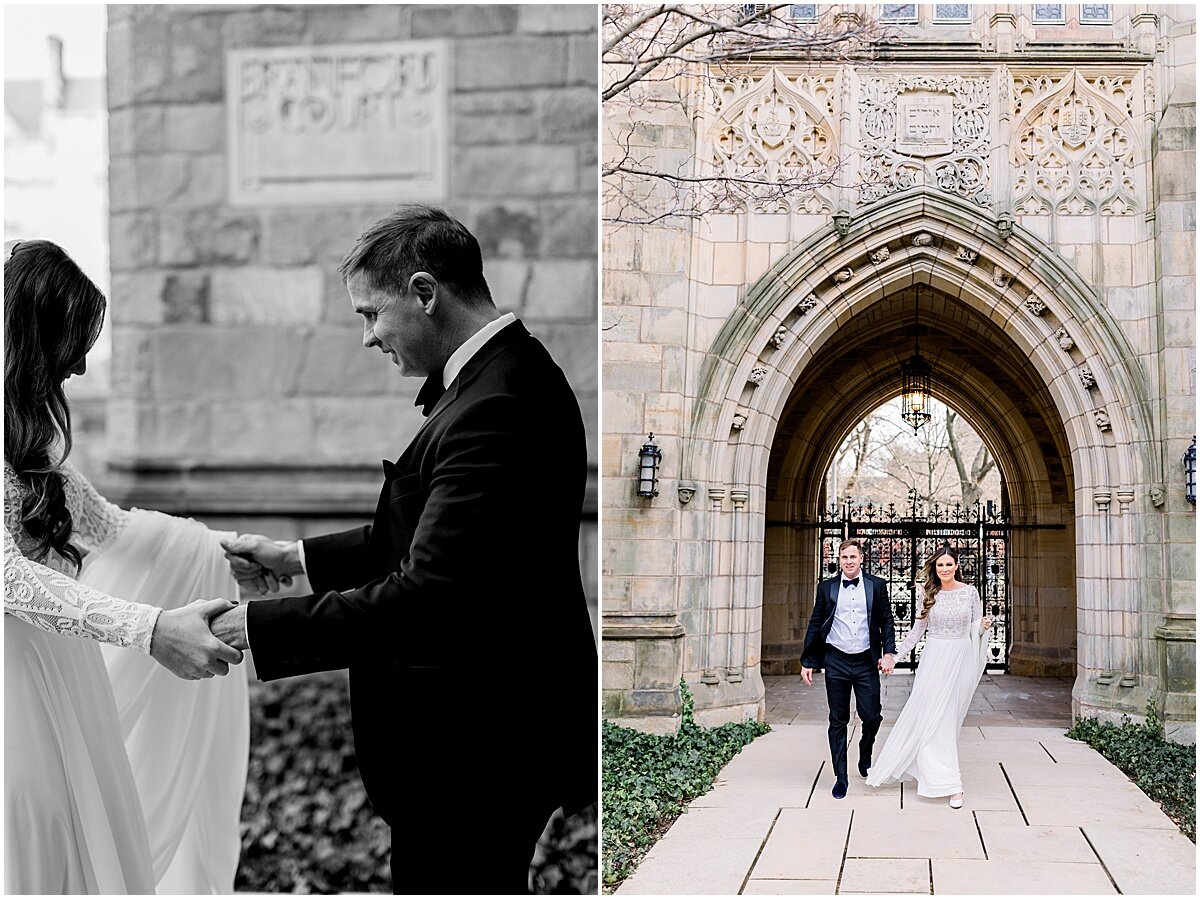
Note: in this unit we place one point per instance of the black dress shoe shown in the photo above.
(839, 790)
(864, 765)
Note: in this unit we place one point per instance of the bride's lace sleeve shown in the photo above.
(976, 608)
(55, 602)
(914, 635)
(94, 520)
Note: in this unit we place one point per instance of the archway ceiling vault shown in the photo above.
(978, 372)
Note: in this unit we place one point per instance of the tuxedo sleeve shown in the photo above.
(887, 621)
(462, 535)
(338, 561)
(810, 657)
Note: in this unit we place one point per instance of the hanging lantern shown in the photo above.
(915, 376)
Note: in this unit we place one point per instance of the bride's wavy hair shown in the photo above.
(52, 315)
(932, 582)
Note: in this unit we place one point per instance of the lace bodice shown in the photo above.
(950, 617)
(45, 595)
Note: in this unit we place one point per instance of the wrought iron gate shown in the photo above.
(899, 541)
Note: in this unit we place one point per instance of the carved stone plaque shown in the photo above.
(338, 123)
(926, 126)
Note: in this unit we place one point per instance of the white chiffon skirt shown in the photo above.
(923, 743)
(187, 741)
(72, 819)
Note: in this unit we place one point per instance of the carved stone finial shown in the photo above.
(1035, 305)
(779, 338)
(881, 255)
(806, 305)
(1064, 339)
(740, 417)
(924, 239)
(844, 275)
(1086, 378)
(757, 375)
(1000, 277)
(1103, 422)
(967, 256)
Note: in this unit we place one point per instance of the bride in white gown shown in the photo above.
(78, 818)
(923, 744)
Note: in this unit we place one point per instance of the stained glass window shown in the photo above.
(899, 12)
(805, 12)
(951, 12)
(1095, 12)
(1048, 12)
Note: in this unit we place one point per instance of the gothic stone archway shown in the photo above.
(1047, 377)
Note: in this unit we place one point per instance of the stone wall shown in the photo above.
(241, 389)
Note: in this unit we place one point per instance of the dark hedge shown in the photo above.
(307, 826)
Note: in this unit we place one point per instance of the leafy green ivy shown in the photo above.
(307, 826)
(1165, 771)
(648, 780)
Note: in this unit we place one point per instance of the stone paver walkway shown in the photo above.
(1041, 813)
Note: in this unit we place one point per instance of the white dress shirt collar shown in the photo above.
(473, 345)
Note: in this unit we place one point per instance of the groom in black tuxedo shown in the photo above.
(853, 636)
(459, 610)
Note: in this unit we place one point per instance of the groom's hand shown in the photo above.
(183, 644)
(887, 664)
(806, 676)
(259, 564)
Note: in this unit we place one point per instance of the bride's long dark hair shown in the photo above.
(52, 315)
(932, 582)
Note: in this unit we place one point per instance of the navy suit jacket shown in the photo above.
(459, 610)
(879, 616)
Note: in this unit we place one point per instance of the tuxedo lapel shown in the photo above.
(870, 593)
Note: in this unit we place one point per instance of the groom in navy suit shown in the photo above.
(459, 610)
(852, 635)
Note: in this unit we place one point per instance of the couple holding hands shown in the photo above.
(120, 778)
(851, 634)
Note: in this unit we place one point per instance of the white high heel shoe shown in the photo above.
(956, 800)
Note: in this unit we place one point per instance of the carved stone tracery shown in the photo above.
(1073, 151)
(776, 128)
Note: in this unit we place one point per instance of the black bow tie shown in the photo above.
(431, 391)
(850, 583)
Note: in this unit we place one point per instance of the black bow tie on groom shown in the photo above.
(431, 391)
(850, 583)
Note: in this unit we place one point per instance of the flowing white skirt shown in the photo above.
(187, 741)
(72, 820)
(923, 743)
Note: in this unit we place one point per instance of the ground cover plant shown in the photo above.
(1165, 771)
(648, 780)
(307, 826)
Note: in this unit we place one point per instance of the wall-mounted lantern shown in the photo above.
(1189, 472)
(649, 458)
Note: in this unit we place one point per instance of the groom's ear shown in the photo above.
(424, 287)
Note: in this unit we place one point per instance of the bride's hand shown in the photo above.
(183, 644)
(987, 623)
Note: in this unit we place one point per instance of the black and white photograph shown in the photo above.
(301, 449)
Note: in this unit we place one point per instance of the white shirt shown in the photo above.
(851, 632)
(455, 364)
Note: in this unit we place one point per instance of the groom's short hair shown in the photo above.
(414, 238)
(857, 544)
